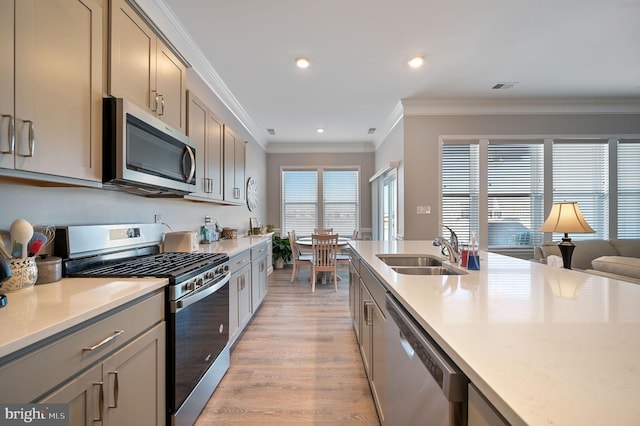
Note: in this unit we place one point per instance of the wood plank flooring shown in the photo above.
(297, 362)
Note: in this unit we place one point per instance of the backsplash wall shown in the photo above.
(73, 206)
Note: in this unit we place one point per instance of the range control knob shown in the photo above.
(199, 282)
(209, 275)
(190, 286)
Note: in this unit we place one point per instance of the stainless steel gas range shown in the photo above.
(197, 302)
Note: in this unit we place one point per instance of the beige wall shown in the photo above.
(63, 206)
(276, 161)
(422, 152)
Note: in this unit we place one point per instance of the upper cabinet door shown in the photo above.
(143, 69)
(170, 87)
(58, 87)
(6, 84)
(133, 57)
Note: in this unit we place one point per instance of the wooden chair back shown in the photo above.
(324, 249)
(322, 231)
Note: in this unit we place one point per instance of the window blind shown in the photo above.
(628, 188)
(515, 194)
(300, 201)
(460, 188)
(581, 173)
(340, 201)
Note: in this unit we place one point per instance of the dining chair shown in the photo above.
(297, 256)
(355, 234)
(323, 252)
(322, 231)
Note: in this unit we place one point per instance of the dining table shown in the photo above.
(307, 243)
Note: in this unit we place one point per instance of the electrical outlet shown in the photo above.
(157, 218)
(423, 210)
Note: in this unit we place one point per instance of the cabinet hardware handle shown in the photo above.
(115, 389)
(104, 342)
(154, 101)
(32, 140)
(241, 261)
(161, 104)
(100, 401)
(11, 134)
(367, 312)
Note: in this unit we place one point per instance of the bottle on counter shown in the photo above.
(473, 263)
(208, 232)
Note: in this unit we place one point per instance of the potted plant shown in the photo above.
(281, 251)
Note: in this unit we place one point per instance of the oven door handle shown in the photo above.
(178, 305)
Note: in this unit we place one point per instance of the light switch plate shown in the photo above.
(423, 210)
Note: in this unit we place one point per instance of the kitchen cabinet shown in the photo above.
(207, 130)
(110, 368)
(373, 335)
(258, 275)
(239, 294)
(354, 292)
(234, 168)
(51, 84)
(131, 388)
(143, 69)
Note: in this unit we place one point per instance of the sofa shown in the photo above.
(619, 259)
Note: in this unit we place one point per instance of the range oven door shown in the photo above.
(198, 331)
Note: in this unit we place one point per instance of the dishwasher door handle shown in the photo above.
(406, 346)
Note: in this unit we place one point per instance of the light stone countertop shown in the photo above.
(38, 313)
(233, 246)
(44, 310)
(547, 346)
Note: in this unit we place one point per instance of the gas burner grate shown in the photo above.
(158, 265)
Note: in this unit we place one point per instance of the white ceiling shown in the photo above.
(359, 51)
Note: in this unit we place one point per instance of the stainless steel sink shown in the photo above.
(426, 270)
(410, 260)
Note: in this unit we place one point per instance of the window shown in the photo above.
(581, 173)
(320, 198)
(299, 201)
(628, 188)
(460, 188)
(340, 201)
(498, 187)
(515, 193)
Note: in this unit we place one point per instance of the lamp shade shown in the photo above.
(566, 217)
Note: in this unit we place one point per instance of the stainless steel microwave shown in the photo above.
(143, 155)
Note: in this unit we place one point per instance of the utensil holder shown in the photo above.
(24, 274)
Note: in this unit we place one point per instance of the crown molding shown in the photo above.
(167, 22)
(479, 106)
(390, 123)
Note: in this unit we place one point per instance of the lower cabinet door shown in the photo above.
(134, 381)
(84, 397)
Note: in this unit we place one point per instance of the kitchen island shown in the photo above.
(544, 345)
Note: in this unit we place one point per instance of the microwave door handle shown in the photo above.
(192, 170)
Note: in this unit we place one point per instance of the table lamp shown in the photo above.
(566, 217)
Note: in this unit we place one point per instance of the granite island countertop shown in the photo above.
(547, 346)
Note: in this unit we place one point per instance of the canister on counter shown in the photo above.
(49, 269)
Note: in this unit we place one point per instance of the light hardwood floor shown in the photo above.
(297, 362)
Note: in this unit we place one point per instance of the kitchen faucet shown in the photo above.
(451, 245)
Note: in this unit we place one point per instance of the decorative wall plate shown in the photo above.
(252, 194)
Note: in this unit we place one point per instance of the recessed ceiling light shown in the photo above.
(271, 131)
(302, 62)
(320, 130)
(372, 130)
(416, 61)
(505, 85)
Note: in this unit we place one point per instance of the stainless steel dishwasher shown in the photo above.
(424, 387)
